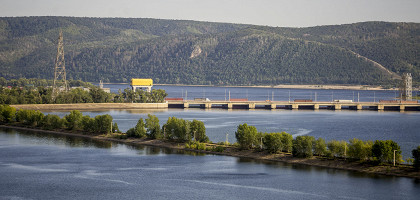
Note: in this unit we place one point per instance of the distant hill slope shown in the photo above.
(189, 52)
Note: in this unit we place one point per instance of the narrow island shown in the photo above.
(378, 157)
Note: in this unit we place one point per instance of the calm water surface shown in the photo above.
(404, 127)
(43, 166)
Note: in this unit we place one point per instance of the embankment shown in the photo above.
(91, 106)
(399, 170)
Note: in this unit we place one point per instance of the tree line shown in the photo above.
(174, 129)
(36, 91)
(193, 133)
(380, 151)
(74, 121)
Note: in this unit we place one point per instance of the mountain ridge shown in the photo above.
(191, 52)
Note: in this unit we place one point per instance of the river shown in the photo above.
(43, 166)
(402, 127)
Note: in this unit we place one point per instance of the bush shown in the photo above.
(196, 145)
(218, 149)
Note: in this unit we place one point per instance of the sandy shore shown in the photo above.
(319, 87)
(399, 170)
(91, 106)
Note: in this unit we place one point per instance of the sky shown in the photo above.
(280, 13)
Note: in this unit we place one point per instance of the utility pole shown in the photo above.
(394, 157)
(227, 139)
(272, 95)
(374, 96)
(60, 67)
(345, 150)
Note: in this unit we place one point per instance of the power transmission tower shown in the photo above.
(60, 68)
(406, 89)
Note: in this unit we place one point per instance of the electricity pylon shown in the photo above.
(406, 89)
(60, 68)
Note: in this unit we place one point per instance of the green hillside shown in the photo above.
(189, 52)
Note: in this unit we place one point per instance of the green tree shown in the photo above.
(198, 131)
(302, 146)
(88, 124)
(320, 147)
(416, 156)
(272, 142)
(7, 113)
(115, 128)
(360, 150)
(73, 120)
(138, 131)
(287, 142)
(246, 136)
(153, 128)
(177, 129)
(103, 123)
(52, 122)
(383, 151)
(30, 117)
(337, 149)
(99, 96)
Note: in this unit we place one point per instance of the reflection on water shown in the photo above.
(56, 139)
(32, 162)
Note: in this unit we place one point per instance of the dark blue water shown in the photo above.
(402, 127)
(275, 94)
(43, 166)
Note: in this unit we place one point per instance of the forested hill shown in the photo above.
(189, 52)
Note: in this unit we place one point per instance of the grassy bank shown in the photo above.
(230, 150)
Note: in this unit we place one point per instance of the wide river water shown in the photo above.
(43, 166)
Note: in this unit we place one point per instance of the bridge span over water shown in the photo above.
(207, 104)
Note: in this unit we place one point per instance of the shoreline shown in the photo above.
(341, 164)
(283, 86)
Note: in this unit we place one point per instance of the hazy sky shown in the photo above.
(291, 13)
